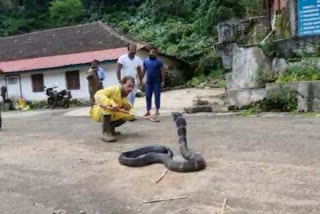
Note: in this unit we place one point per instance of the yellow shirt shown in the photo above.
(110, 96)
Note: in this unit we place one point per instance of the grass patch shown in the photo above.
(304, 114)
(250, 111)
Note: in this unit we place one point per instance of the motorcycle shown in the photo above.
(58, 99)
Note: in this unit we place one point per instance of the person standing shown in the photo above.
(94, 83)
(3, 93)
(155, 80)
(130, 65)
(100, 71)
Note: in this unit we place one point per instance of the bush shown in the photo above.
(173, 79)
(283, 100)
(266, 76)
(37, 104)
(308, 72)
(77, 102)
(221, 84)
(209, 65)
(66, 11)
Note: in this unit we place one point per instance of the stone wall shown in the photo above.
(297, 47)
(244, 31)
(243, 84)
(280, 65)
(247, 63)
(308, 94)
(242, 97)
(225, 51)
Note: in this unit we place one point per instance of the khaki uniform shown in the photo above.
(94, 84)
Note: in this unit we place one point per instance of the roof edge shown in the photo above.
(46, 30)
(57, 67)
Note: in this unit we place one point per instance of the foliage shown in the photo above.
(43, 104)
(209, 63)
(284, 99)
(195, 81)
(77, 102)
(182, 28)
(307, 72)
(253, 7)
(251, 110)
(66, 11)
(215, 79)
(173, 78)
(266, 76)
(37, 104)
(282, 26)
(221, 84)
(304, 114)
(268, 48)
(32, 15)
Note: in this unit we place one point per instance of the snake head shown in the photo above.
(176, 115)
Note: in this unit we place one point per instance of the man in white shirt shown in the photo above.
(130, 65)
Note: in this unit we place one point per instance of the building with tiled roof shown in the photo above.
(62, 56)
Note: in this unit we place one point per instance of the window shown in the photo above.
(73, 80)
(12, 80)
(37, 82)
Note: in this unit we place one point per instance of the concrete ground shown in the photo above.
(50, 161)
(174, 100)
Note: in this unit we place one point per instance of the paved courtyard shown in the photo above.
(51, 161)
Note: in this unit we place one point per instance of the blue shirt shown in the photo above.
(101, 74)
(153, 69)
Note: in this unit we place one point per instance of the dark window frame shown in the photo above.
(73, 80)
(37, 87)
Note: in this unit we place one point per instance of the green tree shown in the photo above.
(65, 12)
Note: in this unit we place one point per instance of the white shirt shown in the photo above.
(129, 66)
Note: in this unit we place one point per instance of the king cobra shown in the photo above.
(161, 154)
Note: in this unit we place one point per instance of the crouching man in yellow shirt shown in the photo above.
(109, 103)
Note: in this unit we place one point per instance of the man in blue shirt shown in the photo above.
(153, 67)
(100, 71)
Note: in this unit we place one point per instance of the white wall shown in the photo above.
(58, 76)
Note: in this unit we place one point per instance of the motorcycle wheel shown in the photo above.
(66, 104)
(50, 102)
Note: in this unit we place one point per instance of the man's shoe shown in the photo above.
(114, 132)
(107, 129)
(108, 138)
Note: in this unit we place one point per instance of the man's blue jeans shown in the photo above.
(153, 87)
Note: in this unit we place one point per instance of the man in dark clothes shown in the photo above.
(2, 99)
(155, 79)
(3, 93)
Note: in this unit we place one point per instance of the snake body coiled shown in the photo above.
(161, 154)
